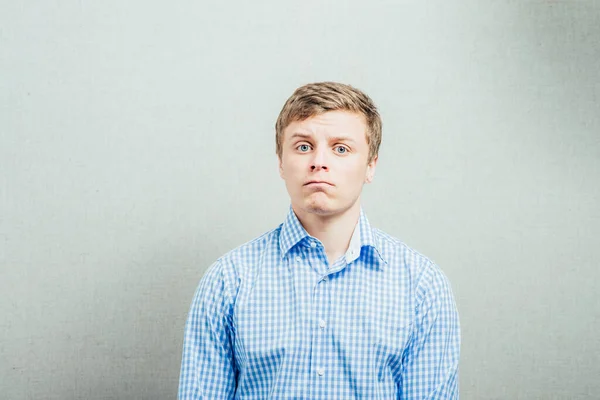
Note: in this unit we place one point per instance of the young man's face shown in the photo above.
(324, 162)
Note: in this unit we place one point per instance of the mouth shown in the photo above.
(317, 183)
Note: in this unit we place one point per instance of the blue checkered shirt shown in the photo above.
(273, 319)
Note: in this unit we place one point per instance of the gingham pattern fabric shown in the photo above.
(273, 319)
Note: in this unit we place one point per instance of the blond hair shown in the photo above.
(317, 98)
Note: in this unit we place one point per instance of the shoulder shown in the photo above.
(424, 273)
(238, 262)
(255, 248)
(226, 273)
(398, 254)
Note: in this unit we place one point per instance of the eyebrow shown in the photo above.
(298, 135)
(342, 139)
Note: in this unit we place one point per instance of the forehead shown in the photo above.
(330, 123)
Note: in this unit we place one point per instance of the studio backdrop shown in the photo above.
(137, 145)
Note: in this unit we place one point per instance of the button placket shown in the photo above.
(320, 342)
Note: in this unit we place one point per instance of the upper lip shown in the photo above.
(317, 181)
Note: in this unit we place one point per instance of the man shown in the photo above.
(324, 306)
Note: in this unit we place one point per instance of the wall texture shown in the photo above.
(136, 146)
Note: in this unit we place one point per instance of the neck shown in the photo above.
(334, 231)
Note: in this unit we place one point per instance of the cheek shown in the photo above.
(296, 168)
(354, 178)
(292, 173)
(289, 171)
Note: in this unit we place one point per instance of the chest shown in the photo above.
(288, 307)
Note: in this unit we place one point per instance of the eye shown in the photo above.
(303, 148)
(341, 149)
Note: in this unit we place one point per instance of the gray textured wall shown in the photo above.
(136, 146)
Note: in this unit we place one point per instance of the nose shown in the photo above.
(319, 161)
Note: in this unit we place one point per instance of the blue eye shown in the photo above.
(303, 148)
(343, 150)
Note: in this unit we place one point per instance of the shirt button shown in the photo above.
(298, 258)
(313, 244)
(322, 324)
(320, 371)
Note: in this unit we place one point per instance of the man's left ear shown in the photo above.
(371, 170)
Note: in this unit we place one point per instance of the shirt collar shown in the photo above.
(292, 233)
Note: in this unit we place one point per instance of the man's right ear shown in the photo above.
(280, 163)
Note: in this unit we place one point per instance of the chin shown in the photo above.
(320, 207)
(319, 210)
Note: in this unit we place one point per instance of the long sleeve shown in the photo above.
(430, 366)
(207, 366)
